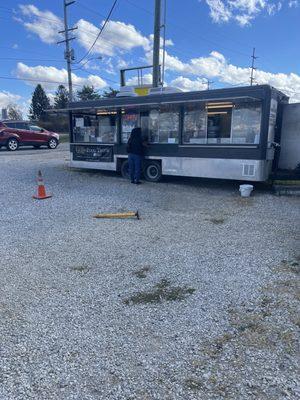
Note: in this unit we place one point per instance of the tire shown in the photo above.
(152, 171)
(125, 169)
(52, 143)
(12, 144)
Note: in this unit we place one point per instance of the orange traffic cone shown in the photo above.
(41, 188)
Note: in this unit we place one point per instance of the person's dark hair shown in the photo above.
(136, 132)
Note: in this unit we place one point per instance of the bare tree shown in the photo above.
(14, 112)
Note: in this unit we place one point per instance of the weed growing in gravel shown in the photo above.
(80, 268)
(162, 291)
(217, 221)
(290, 266)
(193, 384)
(142, 273)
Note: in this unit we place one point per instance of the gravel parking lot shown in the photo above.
(197, 300)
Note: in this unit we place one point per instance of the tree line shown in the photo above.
(40, 102)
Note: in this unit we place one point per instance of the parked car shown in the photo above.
(22, 133)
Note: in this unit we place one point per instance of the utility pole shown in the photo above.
(69, 53)
(209, 83)
(252, 79)
(156, 44)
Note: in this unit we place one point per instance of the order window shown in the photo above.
(163, 124)
(219, 122)
(246, 123)
(194, 124)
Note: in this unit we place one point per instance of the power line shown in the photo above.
(29, 59)
(36, 80)
(191, 33)
(100, 31)
(90, 72)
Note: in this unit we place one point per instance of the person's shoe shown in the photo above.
(138, 183)
(132, 182)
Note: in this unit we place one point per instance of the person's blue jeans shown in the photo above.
(135, 162)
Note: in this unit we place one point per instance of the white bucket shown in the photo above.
(246, 190)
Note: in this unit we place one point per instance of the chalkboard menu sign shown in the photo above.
(99, 153)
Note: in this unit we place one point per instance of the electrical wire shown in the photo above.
(37, 80)
(100, 31)
(91, 73)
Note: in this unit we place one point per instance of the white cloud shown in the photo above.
(54, 75)
(117, 37)
(294, 3)
(147, 80)
(242, 11)
(188, 85)
(7, 98)
(45, 24)
(215, 66)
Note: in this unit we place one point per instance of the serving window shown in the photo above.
(97, 128)
(246, 123)
(130, 119)
(107, 126)
(222, 123)
(195, 123)
(84, 128)
(160, 124)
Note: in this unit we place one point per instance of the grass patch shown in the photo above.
(217, 221)
(80, 268)
(290, 266)
(163, 291)
(64, 138)
(142, 272)
(193, 384)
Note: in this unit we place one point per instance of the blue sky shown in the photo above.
(206, 39)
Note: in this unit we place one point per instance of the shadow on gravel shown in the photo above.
(163, 291)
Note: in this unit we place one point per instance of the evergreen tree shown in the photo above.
(39, 103)
(87, 93)
(61, 98)
(110, 93)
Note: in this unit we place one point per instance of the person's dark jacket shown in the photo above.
(135, 142)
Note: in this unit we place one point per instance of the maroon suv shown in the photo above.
(22, 133)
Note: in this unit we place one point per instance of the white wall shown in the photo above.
(290, 137)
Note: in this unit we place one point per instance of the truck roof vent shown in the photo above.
(164, 90)
(126, 91)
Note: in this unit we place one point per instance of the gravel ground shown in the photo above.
(197, 300)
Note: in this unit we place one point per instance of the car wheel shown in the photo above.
(12, 144)
(125, 169)
(152, 171)
(52, 144)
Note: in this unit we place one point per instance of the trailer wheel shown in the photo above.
(152, 171)
(125, 169)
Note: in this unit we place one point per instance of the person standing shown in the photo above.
(135, 150)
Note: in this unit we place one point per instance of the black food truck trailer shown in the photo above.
(224, 133)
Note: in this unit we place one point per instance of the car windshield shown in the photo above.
(35, 128)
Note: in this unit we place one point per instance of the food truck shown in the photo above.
(229, 133)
